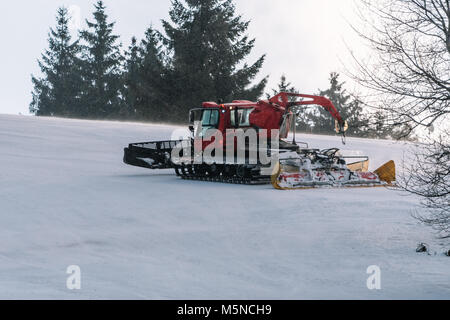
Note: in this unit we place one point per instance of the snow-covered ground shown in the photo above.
(66, 198)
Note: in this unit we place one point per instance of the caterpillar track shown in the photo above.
(250, 175)
(157, 155)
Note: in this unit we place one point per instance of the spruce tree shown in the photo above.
(56, 93)
(101, 67)
(146, 89)
(303, 121)
(131, 81)
(283, 86)
(208, 44)
(349, 108)
(378, 128)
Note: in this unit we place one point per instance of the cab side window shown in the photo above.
(241, 117)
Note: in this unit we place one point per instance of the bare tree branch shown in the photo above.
(411, 67)
(409, 78)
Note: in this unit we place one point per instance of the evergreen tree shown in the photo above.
(146, 88)
(208, 44)
(303, 117)
(283, 86)
(101, 67)
(131, 82)
(57, 92)
(349, 108)
(129, 78)
(378, 128)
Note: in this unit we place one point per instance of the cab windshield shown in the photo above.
(207, 118)
(210, 118)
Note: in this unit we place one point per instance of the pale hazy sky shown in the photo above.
(305, 39)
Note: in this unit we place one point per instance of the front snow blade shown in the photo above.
(387, 172)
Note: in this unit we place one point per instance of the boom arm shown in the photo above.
(282, 99)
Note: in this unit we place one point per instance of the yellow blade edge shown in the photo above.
(361, 166)
(386, 172)
(274, 177)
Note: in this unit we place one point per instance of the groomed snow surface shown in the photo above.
(67, 199)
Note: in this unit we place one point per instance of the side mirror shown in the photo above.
(191, 128)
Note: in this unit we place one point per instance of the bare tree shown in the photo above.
(428, 176)
(409, 77)
(410, 72)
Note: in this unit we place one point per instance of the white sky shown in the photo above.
(304, 39)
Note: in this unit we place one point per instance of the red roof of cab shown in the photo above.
(242, 101)
(210, 105)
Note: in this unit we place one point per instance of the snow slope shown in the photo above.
(66, 198)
